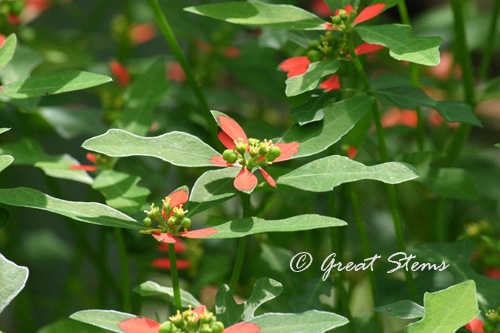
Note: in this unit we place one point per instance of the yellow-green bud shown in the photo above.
(147, 222)
(314, 56)
(217, 327)
(343, 14)
(253, 142)
(336, 20)
(241, 148)
(264, 148)
(186, 222)
(168, 327)
(167, 207)
(254, 151)
(274, 153)
(171, 221)
(205, 329)
(353, 13)
(155, 214)
(179, 213)
(313, 44)
(241, 160)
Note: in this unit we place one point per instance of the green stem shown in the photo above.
(125, 272)
(175, 277)
(490, 42)
(415, 80)
(165, 28)
(242, 245)
(384, 156)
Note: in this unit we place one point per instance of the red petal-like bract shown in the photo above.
(321, 8)
(232, 128)
(177, 198)
(83, 167)
(120, 72)
(165, 237)
(332, 83)
(475, 326)
(245, 180)
(2, 40)
(295, 66)
(493, 273)
(287, 150)
(200, 310)
(200, 233)
(367, 48)
(226, 140)
(351, 152)
(232, 52)
(268, 177)
(243, 328)
(175, 72)
(164, 263)
(141, 33)
(139, 325)
(91, 157)
(369, 12)
(347, 8)
(179, 247)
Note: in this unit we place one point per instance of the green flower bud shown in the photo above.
(254, 151)
(167, 207)
(167, 327)
(230, 156)
(493, 316)
(489, 327)
(273, 153)
(336, 20)
(177, 319)
(241, 148)
(241, 160)
(205, 329)
(253, 142)
(217, 327)
(264, 148)
(16, 7)
(313, 44)
(155, 214)
(343, 14)
(147, 222)
(171, 221)
(186, 223)
(179, 212)
(314, 56)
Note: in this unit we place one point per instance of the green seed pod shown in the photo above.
(336, 20)
(168, 327)
(273, 153)
(217, 327)
(147, 222)
(314, 56)
(489, 327)
(186, 222)
(16, 7)
(313, 45)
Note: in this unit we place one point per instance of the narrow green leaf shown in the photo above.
(151, 288)
(3, 130)
(262, 14)
(5, 161)
(142, 97)
(107, 319)
(212, 188)
(230, 313)
(309, 80)
(90, 212)
(402, 309)
(7, 50)
(53, 83)
(339, 118)
(307, 322)
(178, 148)
(412, 98)
(121, 190)
(326, 173)
(313, 110)
(240, 227)
(12, 280)
(447, 310)
(402, 46)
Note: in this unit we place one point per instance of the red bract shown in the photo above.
(91, 157)
(321, 8)
(175, 72)
(164, 263)
(141, 33)
(120, 72)
(475, 326)
(366, 14)
(230, 133)
(2, 40)
(396, 116)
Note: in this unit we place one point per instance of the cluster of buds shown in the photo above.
(255, 154)
(326, 47)
(11, 10)
(493, 320)
(190, 321)
(343, 19)
(171, 220)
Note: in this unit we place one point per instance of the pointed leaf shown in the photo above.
(178, 148)
(12, 281)
(142, 97)
(402, 46)
(53, 83)
(326, 173)
(262, 14)
(309, 80)
(3, 130)
(5, 161)
(121, 190)
(447, 310)
(230, 313)
(107, 319)
(151, 288)
(402, 309)
(7, 50)
(21, 65)
(307, 322)
(339, 118)
(412, 98)
(90, 212)
(313, 110)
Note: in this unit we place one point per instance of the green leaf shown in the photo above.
(121, 190)
(142, 97)
(402, 309)
(28, 152)
(326, 173)
(7, 50)
(230, 313)
(107, 319)
(313, 110)
(457, 254)
(339, 118)
(90, 212)
(5, 161)
(307, 322)
(151, 288)
(212, 188)
(309, 80)
(240, 227)
(447, 310)
(68, 325)
(451, 183)
(4, 217)
(412, 98)
(3, 130)
(21, 65)
(178, 148)
(53, 83)
(262, 14)
(12, 281)
(402, 46)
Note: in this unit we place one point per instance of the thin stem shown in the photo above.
(125, 273)
(242, 245)
(175, 277)
(490, 42)
(169, 35)
(384, 156)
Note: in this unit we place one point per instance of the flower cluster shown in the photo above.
(476, 325)
(172, 217)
